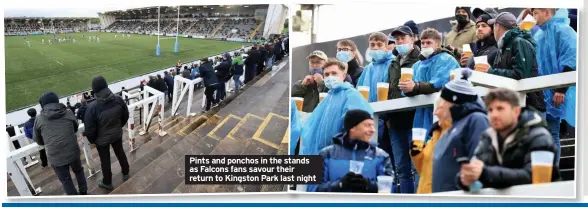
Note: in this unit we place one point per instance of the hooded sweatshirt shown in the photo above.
(56, 128)
(105, 118)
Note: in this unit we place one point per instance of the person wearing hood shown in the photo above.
(459, 105)
(377, 70)
(313, 84)
(415, 31)
(327, 119)
(347, 53)
(486, 43)
(238, 64)
(556, 53)
(210, 82)
(516, 58)
(55, 129)
(400, 123)
(463, 32)
(264, 54)
(222, 73)
(104, 121)
(169, 81)
(353, 145)
(422, 156)
(29, 130)
(82, 110)
(162, 85)
(253, 57)
(503, 156)
(431, 72)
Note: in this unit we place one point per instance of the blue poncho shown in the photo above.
(434, 70)
(373, 73)
(326, 120)
(295, 127)
(556, 48)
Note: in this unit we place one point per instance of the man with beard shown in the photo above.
(486, 44)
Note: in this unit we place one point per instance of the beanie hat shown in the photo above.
(354, 117)
(413, 26)
(460, 91)
(98, 84)
(48, 98)
(32, 112)
(467, 9)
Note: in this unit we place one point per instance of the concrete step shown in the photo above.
(246, 128)
(226, 126)
(197, 122)
(272, 130)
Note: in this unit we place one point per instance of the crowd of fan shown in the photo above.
(32, 27)
(476, 141)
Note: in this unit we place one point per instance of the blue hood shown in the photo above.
(373, 73)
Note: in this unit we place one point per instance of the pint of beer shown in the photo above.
(322, 96)
(406, 74)
(528, 23)
(481, 61)
(467, 51)
(365, 91)
(542, 164)
(453, 74)
(385, 184)
(299, 102)
(383, 91)
(418, 136)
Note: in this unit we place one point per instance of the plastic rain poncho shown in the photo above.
(326, 121)
(434, 70)
(556, 49)
(295, 126)
(373, 73)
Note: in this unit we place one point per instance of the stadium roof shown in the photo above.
(173, 9)
(48, 18)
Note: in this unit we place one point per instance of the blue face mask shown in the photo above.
(315, 71)
(379, 55)
(332, 82)
(402, 49)
(344, 56)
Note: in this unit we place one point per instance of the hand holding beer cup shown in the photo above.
(406, 74)
(299, 102)
(467, 51)
(365, 91)
(322, 96)
(454, 73)
(481, 64)
(383, 91)
(542, 165)
(418, 137)
(528, 23)
(407, 86)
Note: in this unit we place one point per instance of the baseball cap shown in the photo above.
(318, 54)
(505, 19)
(489, 11)
(402, 30)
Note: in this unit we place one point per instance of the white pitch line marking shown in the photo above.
(59, 62)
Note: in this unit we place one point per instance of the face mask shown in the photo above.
(332, 82)
(344, 56)
(315, 71)
(426, 52)
(461, 19)
(402, 49)
(377, 55)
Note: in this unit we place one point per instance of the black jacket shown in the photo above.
(264, 54)
(511, 165)
(486, 47)
(208, 75)
(354, 71)
(253, 57)
(517, 60)
(169, 80)
(105, 118)
(82, 112)
(153, 84)
(162, 85)
(401, 119)
(222, 71)
(186, 74)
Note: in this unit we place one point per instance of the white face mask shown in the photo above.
(426, 52)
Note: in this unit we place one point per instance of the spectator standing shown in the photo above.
(238, 64)
(313, 84)
(278, 50)
(353, 145)
(264, 54)
(462, 32)
(169, 81)
(56, 129)
(270, 56)
(556, 53)
(486, 43)
(82, 110)
(347, 53)
(251, 61)
(503, 156)
(222, 73)
(210, 82)
(161, 84)
(104, 121)
(469, 121)
(29, 132)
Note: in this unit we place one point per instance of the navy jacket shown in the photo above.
(461, 140)
(105, 118)
(208, 75)
(336, 163)
(169, 80)
(28, 128)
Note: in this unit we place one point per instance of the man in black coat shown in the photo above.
(210, 82)
(161, 84)
(486, 44)
(103, 122)
(222, 73)
(169, 81)
(253, 57)
(278, 50)
(261, 64)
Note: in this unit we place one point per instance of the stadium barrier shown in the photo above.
(183, 85)
(482, 82)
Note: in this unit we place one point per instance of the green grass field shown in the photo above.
(67, 68)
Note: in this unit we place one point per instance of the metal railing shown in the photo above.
(181, 87)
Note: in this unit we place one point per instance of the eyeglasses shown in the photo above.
(343, 49)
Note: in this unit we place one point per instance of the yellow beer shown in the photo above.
(299, 102)
(365, 91)
(527, 25)
(541, 173)
(383, 91)
(322, 96)
(406, 74)
(479, 66)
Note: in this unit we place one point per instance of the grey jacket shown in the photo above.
(56, 129)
